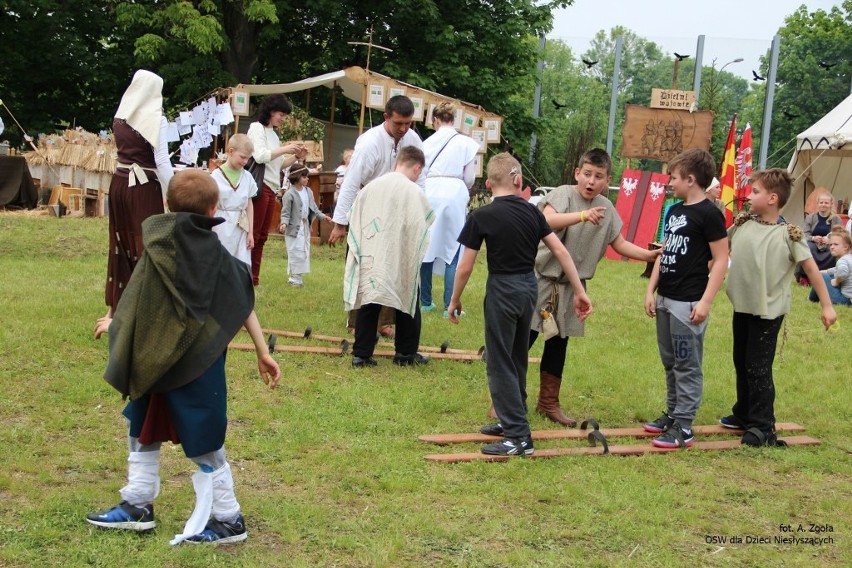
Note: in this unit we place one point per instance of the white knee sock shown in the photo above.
(143, 478)
(225, 506)
(203, 484)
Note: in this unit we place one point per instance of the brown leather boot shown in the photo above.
(548, 400)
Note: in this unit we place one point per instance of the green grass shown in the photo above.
(328, 467)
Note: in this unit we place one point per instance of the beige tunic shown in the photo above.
(587, 244)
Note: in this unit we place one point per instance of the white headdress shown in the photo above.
(142, 105)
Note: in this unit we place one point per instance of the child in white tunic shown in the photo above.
(298, 211)
(236, 188)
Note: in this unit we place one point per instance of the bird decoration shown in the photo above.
(826, 66)
(756, 76)
(589, 63)
(679, 56)
(557, 104)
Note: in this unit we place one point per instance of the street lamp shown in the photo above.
(714, 78)
(737, 60)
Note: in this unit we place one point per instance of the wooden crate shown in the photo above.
(72, 197)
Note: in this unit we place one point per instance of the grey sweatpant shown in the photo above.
(681, 345)
(508, 307)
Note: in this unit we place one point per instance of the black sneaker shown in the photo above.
(659, 425)
(364, 362)
(221, 533)
(510, 447)
(124, 516)
(756, 438)
(732, 422)
(492, 429)
(416, 359)
(674, 437)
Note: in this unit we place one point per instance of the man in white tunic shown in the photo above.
(388, 237)
(375, 155)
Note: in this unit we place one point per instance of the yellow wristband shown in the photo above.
(582, 216)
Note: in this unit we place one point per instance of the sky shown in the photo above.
(732, 28)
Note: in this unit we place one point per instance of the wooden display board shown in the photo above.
(660, 134)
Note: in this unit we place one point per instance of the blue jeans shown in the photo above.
(449, 280)
(833, 293)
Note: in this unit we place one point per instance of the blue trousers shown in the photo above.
(833, 293)
(449, 281)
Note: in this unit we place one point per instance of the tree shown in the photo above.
(62, 61)
(814, 72)
(643, 67)
(573, 115)
(722, 93)
(480, 52)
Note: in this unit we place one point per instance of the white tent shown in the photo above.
(823, 158)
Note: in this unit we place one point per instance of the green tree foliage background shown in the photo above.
(68, 63)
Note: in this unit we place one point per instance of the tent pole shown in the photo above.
(331, 119)
(363, 102)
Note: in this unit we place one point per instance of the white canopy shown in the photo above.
(823, 158)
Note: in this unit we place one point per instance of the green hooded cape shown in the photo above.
(186, 300)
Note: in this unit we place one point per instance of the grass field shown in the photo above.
(328, 468)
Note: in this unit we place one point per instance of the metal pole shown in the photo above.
(770, 98)
(613, 102)
(699, 62)
(537, 97)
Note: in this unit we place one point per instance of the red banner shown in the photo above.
(627, 192)
(728, 178)
(652, 208)
(744, 167)
(640, 202)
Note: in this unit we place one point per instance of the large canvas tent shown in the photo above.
(823, 158)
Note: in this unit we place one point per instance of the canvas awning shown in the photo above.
(372, 90)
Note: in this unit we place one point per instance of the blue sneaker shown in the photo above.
(124, 516)
(221, 533)
(659, 425)
(731, 422)
(675, 437)
(427, 308)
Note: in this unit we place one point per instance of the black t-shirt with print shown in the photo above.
(511, 229)
(688, 233)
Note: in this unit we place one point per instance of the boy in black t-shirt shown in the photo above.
(694, 235)
(511, 228)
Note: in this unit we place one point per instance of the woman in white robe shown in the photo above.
(449, 160)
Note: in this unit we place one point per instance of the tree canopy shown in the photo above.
(483, 52)
(814, 72)
(69, 62)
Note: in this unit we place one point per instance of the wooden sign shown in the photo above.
(659, 134)
(672, 99)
